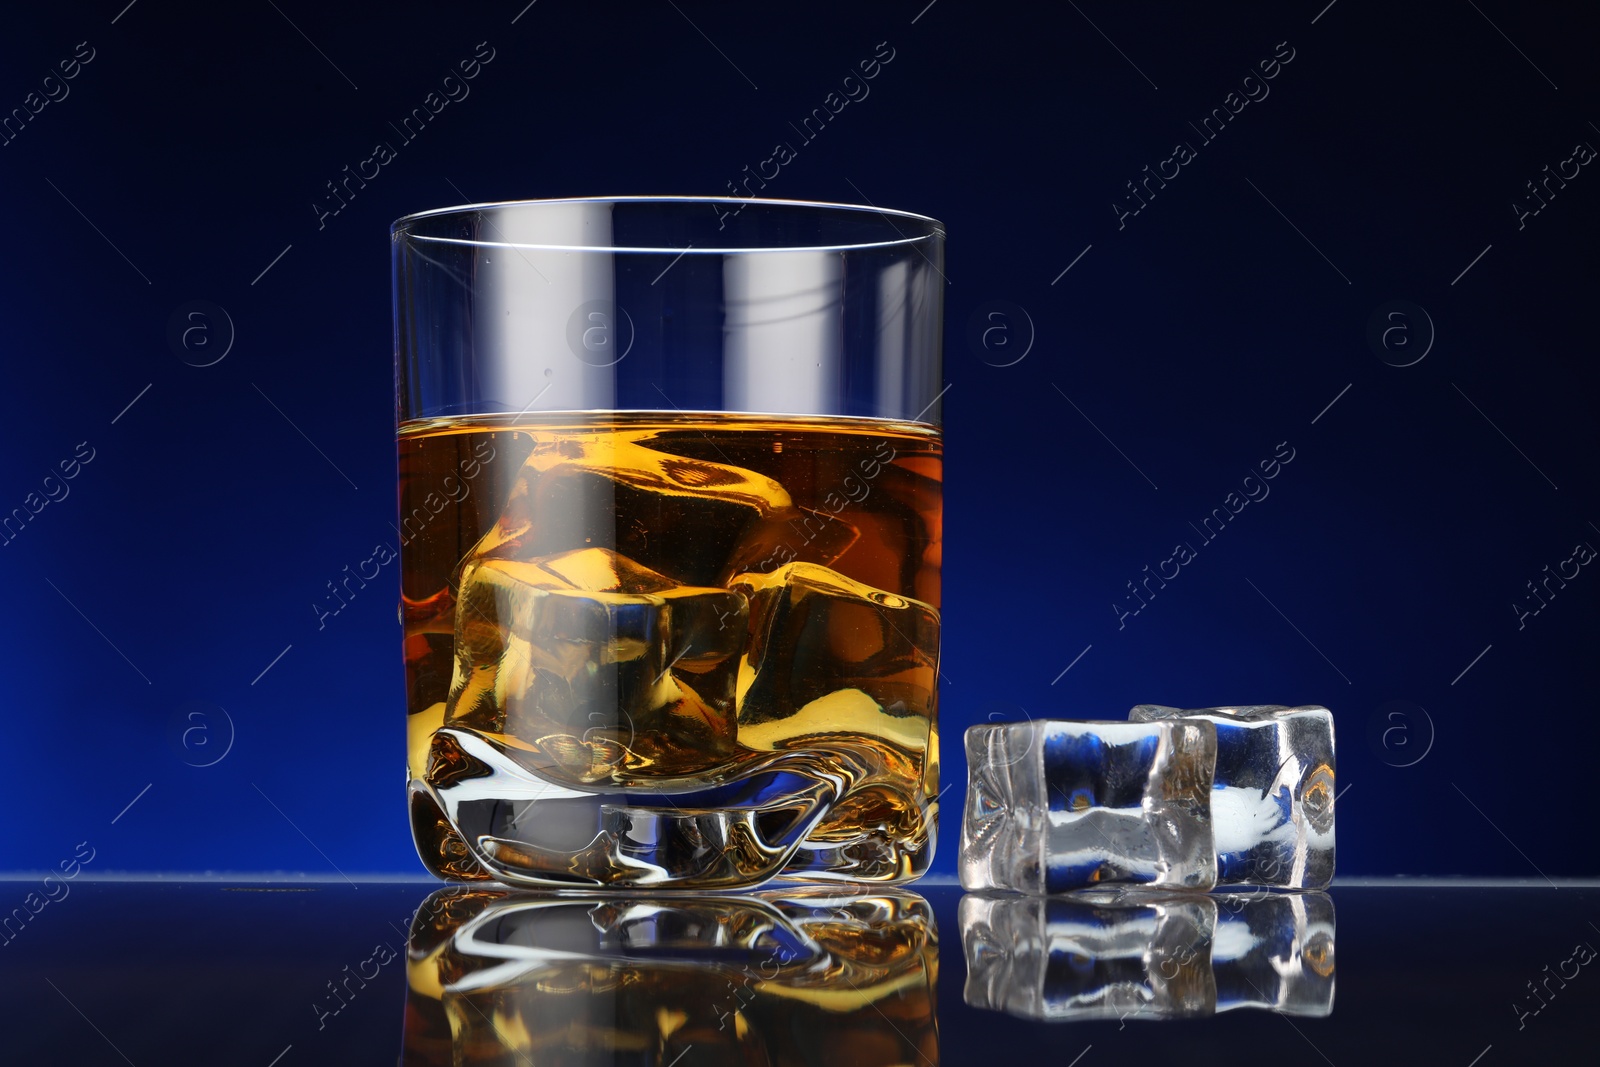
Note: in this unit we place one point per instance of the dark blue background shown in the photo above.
(1199, 336)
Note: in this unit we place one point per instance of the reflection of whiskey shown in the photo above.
(658, 604)
(804, 978)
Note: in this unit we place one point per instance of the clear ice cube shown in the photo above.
(818, 635)
(596, 667)
(1133, 953)
(788, 535)
(1272, 793)
(848, 673)
(1058, 805)
(571, 491)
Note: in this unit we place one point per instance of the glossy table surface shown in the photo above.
(203, 972)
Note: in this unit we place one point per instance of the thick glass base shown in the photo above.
(482, 817)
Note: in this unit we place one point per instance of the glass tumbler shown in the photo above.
(670, 515)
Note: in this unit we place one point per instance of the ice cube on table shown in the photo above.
(596, 667)
(1134, 953)
(1272, 793)
(1054, 805)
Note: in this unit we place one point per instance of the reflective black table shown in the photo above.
(294, 973)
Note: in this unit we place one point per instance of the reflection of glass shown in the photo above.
(670, 518)
(782, 978)
(1134, 954)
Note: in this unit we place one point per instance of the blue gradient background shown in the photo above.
(1206, 331)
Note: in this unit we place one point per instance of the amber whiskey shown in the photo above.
(701, 646)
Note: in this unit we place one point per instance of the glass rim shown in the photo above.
(575, 417)
(933, 229)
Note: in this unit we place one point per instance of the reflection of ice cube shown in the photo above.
(1133, 953)
(1064, 958)
(1272, 799)
(1275, 951)
(596, 665)
(1056, 805)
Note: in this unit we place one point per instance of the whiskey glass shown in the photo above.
(670, 519)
